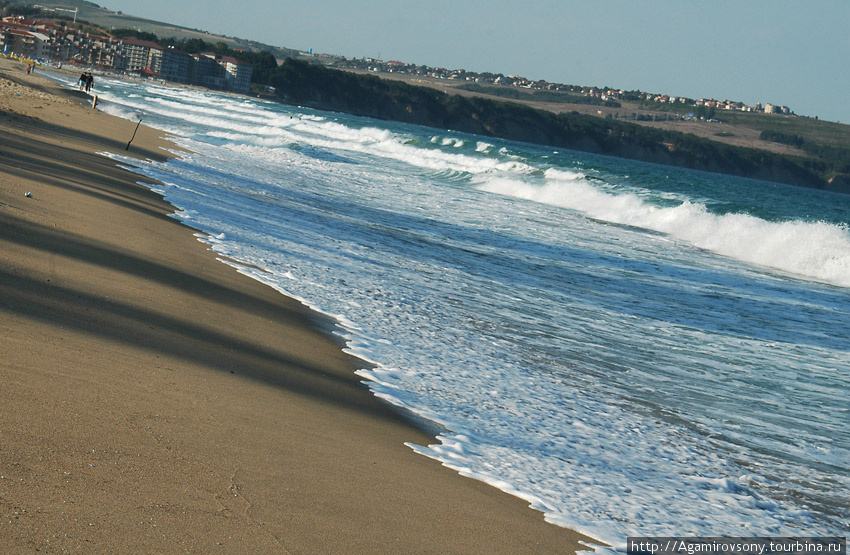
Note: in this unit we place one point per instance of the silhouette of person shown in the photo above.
(89, 82)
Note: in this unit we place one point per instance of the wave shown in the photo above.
(328, 237)
(813, 250)
(251, 115)
(121, 111)
(252, 123)
(369, 141)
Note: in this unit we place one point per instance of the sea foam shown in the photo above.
(815, 250)
(620, 381)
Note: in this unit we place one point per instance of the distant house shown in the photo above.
(28, 43)
(18, 36)
(141, 54)
(176, 66)
(207, 71)
(104, 51)
(237, 74)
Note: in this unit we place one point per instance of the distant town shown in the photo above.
(604, 94)
(49, 42)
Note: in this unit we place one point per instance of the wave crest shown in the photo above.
(814, 250)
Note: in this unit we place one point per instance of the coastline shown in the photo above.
(157, 400)
(305, 84)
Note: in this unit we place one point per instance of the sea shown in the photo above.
(634, 349)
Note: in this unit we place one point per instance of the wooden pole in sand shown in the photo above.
(134, 134)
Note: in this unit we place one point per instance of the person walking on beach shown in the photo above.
(89, 82)
(83, 80)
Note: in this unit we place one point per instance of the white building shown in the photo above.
(238, 74)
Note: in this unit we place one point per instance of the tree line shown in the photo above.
(836, 157)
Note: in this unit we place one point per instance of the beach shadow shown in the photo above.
(104, 142)
(22, 156)
(28, 157)
(194, 341)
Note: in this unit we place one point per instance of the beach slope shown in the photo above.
(155, 400)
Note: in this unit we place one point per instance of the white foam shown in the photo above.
(529, 333)
(121, 111)
(258, 125)
(815, 250)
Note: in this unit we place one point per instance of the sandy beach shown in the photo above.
(154, 400)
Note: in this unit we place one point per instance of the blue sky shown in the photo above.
(788, 52)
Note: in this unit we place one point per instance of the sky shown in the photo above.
(793, 53)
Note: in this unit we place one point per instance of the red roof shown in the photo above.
(145, 43)
(231, 60)
(11, 25)
(147, 71)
